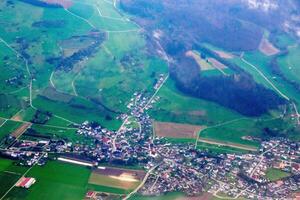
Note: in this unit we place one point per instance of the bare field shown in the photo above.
(174, 130)
(17, 133)
(224, 55)
(117, 178)
(267, 48)
(228, 144)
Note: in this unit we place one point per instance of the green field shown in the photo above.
(9, 175)
(8, 127)
(96, 86)
(174, 106)
(289, 64)
(276, 174)
(55, 180)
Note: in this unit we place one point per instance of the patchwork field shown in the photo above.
(117, 178)
(19, 131)
(174, 130)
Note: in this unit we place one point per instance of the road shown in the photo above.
(142, 183)
(261, 159)
(262, 75)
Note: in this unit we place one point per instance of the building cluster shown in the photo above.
(173, 167)
(185, 169)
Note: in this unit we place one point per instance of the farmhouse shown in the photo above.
(25, 182)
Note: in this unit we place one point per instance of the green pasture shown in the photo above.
(175, 106)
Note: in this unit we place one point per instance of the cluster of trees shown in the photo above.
(238, 92)
(41, 117)
(68, 63)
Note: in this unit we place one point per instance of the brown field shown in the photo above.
(117, 178)
(17, 117)
(17, 133)
(224, 55)
(173, 130)
(217, 64)
(267, 48)
(228, 144)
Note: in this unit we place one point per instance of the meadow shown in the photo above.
(276, 174)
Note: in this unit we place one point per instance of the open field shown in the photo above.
(276, 174)
(56, 180)
(117, 178)
(19, 131)
(289, 64)
(176, 107)
(174, 130)
(8, 128)
(9, 174)
(267, 48)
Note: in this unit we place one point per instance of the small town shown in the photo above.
(173, 167)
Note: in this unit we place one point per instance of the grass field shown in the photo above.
(55, 180)
(8, 127)
(276, 174)
(289, 64)
(176, 107)
(9, 174)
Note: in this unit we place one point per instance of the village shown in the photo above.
(174, 167)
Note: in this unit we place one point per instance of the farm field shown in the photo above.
(174, 130)
(55, 180)
(8, 127)
(117, 178)
(9, 174)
